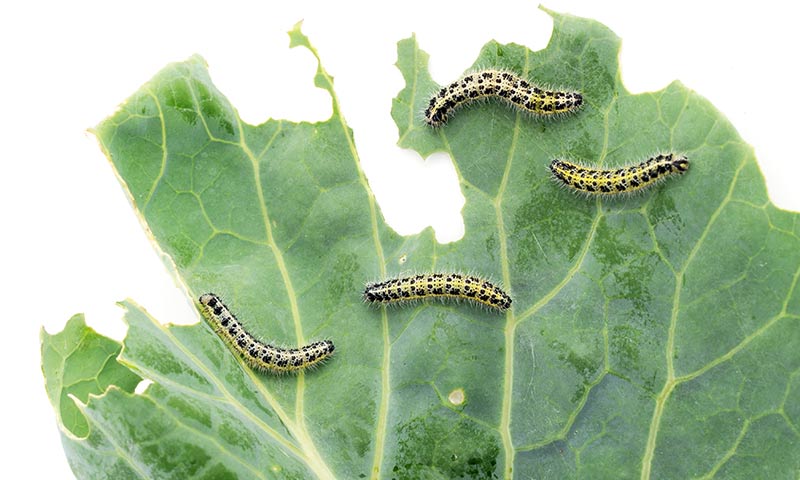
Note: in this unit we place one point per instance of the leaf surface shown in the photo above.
(652, 336)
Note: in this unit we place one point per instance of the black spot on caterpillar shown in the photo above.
(438, 285)
(507, 86)
(595, 181)
(255, 353)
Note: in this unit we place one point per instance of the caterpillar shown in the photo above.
(257, 354)
(595, 181)
(438, 285)
(507, 86)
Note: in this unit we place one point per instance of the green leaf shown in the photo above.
(654, 336)
(78, 363)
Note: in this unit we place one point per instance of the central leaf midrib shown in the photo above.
(298, 427)
(510, 328)
(383, 409)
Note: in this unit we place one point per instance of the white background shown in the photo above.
(71, 242)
